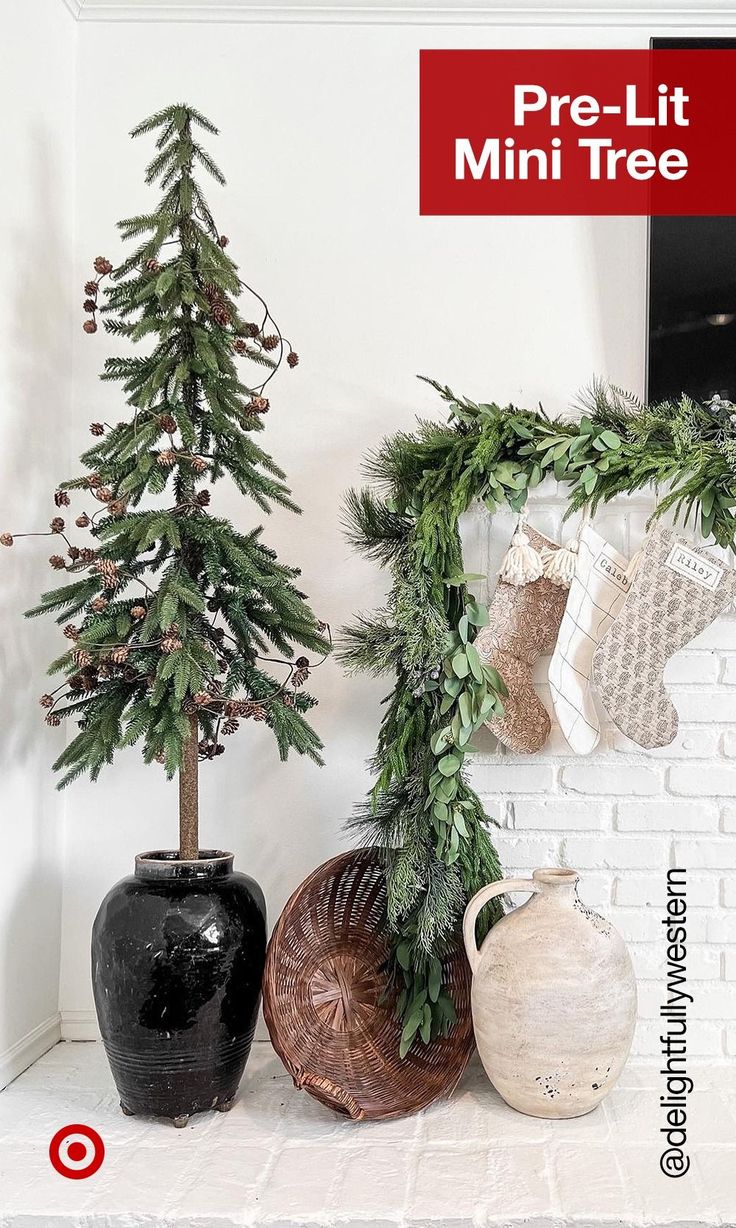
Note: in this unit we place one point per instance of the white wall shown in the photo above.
(36, 150)
(320, 147)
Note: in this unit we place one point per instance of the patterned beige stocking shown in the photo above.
(677, 593)
(524, 622)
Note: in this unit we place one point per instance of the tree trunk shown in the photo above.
(189, 795)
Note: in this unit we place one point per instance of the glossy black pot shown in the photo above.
(177, 961)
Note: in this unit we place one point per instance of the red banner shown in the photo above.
(577, 132)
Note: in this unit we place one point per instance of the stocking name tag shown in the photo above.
(686, 563)
(617, 576)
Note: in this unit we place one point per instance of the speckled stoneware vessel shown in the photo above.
(553, 998)
(177, 960)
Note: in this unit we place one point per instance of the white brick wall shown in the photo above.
(622, 816)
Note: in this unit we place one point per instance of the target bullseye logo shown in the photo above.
(76, 1152)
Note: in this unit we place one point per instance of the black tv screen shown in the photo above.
(692, 294)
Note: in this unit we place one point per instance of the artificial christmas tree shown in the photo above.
(172, 617)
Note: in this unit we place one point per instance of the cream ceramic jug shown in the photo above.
(553, 997)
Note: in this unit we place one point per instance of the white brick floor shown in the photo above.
(279, 1159)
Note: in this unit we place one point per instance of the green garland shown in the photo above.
(421, 810)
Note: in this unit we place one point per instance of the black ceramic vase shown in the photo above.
(177, 960)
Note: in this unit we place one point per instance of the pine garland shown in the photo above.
(183, 621)
(421, 810)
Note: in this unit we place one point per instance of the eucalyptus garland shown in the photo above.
(421, 810)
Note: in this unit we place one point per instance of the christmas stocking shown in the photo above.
(525, 616)
(676, 594)
(597, 593)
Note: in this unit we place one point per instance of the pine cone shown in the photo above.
(94, 480)
(117, 508)
(76, 682)
(120, 655)
(252, 330)
(103, 494)
(57, 562)
(299, 677)
(199, 464)
(221, 314)
(86, 555)
(270, 342)
(53, 719)
(239, 346)
(223, 241)
(287, 700)
(61, 498)
(102, 266)
(259, 405)
(252, 711)
(153, 265)
(203, 498)
(57, 525)
(219, 748)
(292, 358)
(46, 701)
(90, 287)
(89, 681)
(90, 326)
(230, 726)
(82, 657)
(71, 632)
(202, 698)
(166, 458)
(108, 570)
(83, 521)
(74, 553)
(89, 304)
(160, 756)
(6, 539)
(171, 643)
(167, 423)
(98, 604)
(97, 428)
(104, 672)
(138, 611)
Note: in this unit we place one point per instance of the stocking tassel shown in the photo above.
(559, 565)
(521, 563)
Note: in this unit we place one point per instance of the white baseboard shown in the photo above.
(82, 1025)
(29, 1049)
(79, 1025)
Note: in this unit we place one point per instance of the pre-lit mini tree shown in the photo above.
(174, 617)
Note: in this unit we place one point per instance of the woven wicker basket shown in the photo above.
(322, 991)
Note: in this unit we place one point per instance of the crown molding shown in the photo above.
(670, 14)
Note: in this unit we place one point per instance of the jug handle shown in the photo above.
(479, 899)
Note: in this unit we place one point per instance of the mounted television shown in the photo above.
(692, 292)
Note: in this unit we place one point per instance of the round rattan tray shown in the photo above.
(325, 1003)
